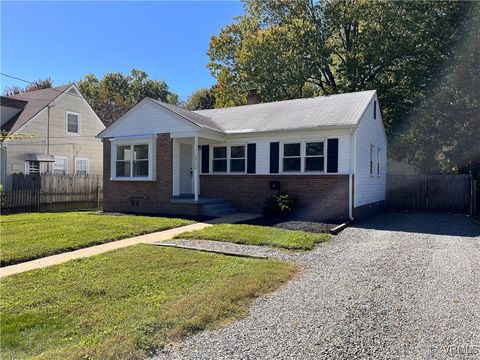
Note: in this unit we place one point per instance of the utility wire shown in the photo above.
(33, 83)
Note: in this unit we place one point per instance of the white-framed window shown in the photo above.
(32, 167)
(133, 159)
(81, 166)
(306, 156)
(315, 156)
(237, 158)
(292, 157)
(60, 166)
(219, 159)
(378, 161)
(372, 149)
(72, 120)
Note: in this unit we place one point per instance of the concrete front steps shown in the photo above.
(218, 208)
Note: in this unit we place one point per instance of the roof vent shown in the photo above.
(252, 97)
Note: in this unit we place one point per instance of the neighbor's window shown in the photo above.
(315, 156)
(73, 123)
(378, 161)
(33, 167)
(291, 157)
(220, 159)
(81, 166)
(371, 158)
(60, 165)
(237, 158)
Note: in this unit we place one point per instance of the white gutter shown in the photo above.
(351, 173)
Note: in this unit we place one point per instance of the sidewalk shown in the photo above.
(99, 249)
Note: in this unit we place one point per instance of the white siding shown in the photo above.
(176, 167)
(370, 188)
(147, 118)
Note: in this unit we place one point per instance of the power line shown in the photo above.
(33, 83)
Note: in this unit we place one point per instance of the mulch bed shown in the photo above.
(309, 226)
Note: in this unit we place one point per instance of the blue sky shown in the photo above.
(66, 40)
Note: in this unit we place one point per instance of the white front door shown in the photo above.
(186, 169)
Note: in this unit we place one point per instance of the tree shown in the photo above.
(115, 93)
(408, 51)
(35, 85)
(398, 48)
(443, 136)
(201, 99)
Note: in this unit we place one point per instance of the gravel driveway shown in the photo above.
(397, 286)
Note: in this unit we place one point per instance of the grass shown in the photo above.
(34, 235)
(257, 235)
(128, 303)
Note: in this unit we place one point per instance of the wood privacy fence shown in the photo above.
(445, 193)
(51, 192)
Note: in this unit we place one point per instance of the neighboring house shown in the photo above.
(49, 130)
(328, 151)
(401, 168)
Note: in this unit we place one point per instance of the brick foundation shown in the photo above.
(320, 197)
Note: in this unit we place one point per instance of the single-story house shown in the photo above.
(328, 151)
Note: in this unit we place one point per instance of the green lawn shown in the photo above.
(128, 303)
(34, 235)
(257, 235)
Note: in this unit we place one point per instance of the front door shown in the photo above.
(186, 169)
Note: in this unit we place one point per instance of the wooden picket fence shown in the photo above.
(52, 192)
(442, 193)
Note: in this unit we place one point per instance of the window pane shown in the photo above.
(314, 163)
(219, 165)
(314, 148)
(237, 165)
(291, 150)
(220, 152)
(72, 123)
(291, 164)
(123, 152)
(81, 166)
(123, 168)
(140, 152)
(237, 151)
(140, 168)
(33, 167)
(60, 166)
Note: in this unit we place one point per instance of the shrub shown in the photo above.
(280, 205)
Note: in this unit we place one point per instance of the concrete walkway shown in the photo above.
(99, 249)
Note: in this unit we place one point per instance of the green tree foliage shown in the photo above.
(201, 99)
(443, 135)
(116, 93)
(35, 85)
(296, 48)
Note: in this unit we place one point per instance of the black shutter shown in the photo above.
(332, 156)
(274, 157)
(205, 159)
(251, 158)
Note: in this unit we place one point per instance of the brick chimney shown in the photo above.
(252, 97)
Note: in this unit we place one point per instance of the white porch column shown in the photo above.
(196, 179)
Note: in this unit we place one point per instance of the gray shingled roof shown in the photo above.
(198, 119)
(342, 110)
(35, 102)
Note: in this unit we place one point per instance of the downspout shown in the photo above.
(350, 175)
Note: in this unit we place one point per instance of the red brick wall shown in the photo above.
(320, 197)
(143, 196)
